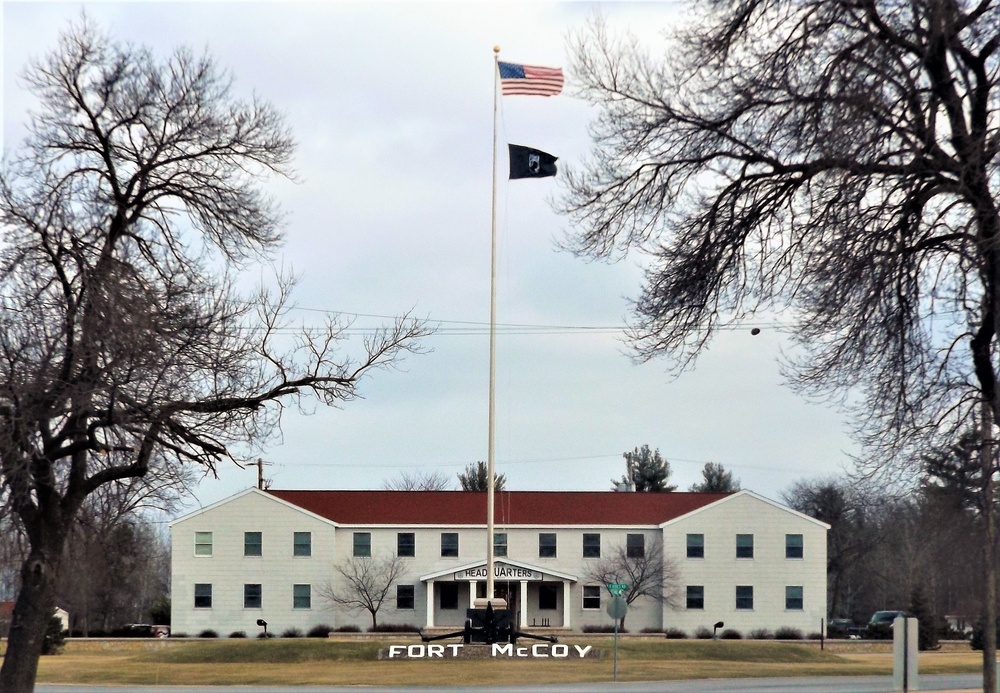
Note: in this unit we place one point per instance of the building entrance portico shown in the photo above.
(539, 597)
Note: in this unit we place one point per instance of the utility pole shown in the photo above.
(262, 483)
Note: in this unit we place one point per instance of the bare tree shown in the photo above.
(832, 159)
(648, 573)
(366, 583)
(125, 349)
(418, 481)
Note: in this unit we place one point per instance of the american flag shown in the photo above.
(530, 80)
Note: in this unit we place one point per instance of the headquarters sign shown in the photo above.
(501, 571)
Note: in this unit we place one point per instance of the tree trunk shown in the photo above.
(990, 593)
(33, 610)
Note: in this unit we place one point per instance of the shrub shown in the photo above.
(348, 629)
(650, 629)
(394, 628)
(703, 633)
(603, 628)
(731, 634)
(54, 638)
(760, 634)
(291, 633)
(265, 636)
(320, 631)
(675, 634)
(208, 633)
(977, 636)
(815, 635)
(787, 633)
(178, 635)
(238, 634)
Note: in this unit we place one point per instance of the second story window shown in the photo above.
(253, 544)
(302, 544)
(591, 545)
(744, 546)
(202, 543)
(547, 545)
(500, 544)
(406, 544)
(362, 544)
(793, 546)
(449, 544)
(696, 546)
(635, 546)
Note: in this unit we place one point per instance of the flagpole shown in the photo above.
(490, 457)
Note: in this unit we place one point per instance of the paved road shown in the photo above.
(846, 684)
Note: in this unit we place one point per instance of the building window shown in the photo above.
(744, 546)
(547, 545)
(251, 597)
(793, 546)
(449, 594)
(635, 545)
(404, 597)
(363, 544)
(202, 596)
(302, 544)
(696, 546)
(548, 596)
(696, 596)
(301, 596)
(406, 544)
(202, 543)
(449, 544)
(591, 545)
(793, 598)
(253, 544)
(591, 597)
(500, 544)
(744, 597)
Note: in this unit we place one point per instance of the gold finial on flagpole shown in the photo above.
(496, 49)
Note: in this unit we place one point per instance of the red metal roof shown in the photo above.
(586, 508)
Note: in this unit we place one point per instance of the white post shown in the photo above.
(472, 593)
(430, 604)
(524, 603)
(566, 604)
(905, 650)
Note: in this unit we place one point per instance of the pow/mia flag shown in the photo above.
(526, 162)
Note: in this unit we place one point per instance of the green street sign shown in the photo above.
(617, 588)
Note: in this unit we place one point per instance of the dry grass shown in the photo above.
(301, 662)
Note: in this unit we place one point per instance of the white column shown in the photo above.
(430, 604)
(524, 603)
(567, 604)
(472, 594)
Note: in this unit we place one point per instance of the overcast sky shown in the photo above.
(392, 107)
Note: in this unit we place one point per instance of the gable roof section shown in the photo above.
(586, 508)
(756, 496)
(270, 497)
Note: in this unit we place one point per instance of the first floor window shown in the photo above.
(547, 545)
(302, 544)
(253, 544)
(696, 596)
(793, 546)
(744, 597)
(696, 546)
(793, 597)
(362, 544)
(591, 545)
(251, 597)
(406, 544)
(744, 546)
(635, 546)
(202, 543)
(449, 594)
(203, 596)
(449, 544)
(500, 544)
(591, 596)
(404, 596)
(548, 596)
(301, 596)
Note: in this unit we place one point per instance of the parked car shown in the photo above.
(843, 628)
(880, 625)
(142, 630)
